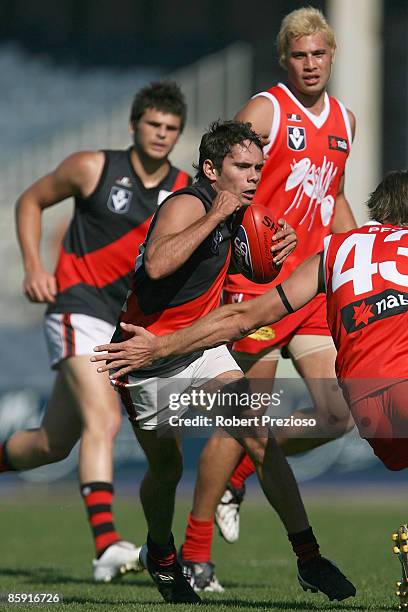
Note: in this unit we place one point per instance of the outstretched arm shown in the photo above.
(221, 326)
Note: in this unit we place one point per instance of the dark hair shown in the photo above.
(389, 202)
(218, 141)
(164, 96)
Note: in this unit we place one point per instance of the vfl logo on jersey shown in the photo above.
(241, 252)
(163, 194)
(124, 180)
(374, 308)
(293, 117)
(119, 200)
(215, 242)
(296, 138)
(336, 143)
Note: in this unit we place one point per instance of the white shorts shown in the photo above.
(70, 335)
(147, 399)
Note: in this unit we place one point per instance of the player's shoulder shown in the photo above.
(86, 164)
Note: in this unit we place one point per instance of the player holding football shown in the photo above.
(116, 194)
(179, 278)
(309, 136)
(364, 273)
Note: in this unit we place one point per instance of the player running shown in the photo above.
(179, 278)
(364, 273)
(309, 135)
(116, 194)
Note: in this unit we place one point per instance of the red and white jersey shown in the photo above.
(366, 275)
(307, 154)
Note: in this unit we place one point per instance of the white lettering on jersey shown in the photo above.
(312, 182)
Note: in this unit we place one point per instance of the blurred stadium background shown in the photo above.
(68, 71)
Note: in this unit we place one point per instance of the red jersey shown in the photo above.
(366, 273)
(306, 159)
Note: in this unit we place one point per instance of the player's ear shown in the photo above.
(210, 170)
(132, 127)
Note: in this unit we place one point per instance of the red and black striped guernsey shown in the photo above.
(176, 301)
(102, 242)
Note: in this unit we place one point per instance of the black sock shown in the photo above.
(304, 545)
(163, 555)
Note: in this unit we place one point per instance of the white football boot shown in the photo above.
(118, 559)
(227, 513)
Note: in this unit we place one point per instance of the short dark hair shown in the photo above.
(218, 141)
(164, 96)
(389, 202)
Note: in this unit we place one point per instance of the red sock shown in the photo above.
(244, 469)
(198, 540)
(4, 460)
(98, 501)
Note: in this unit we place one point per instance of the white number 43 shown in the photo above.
(361, 274)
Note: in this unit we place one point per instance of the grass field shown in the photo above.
(46, 548)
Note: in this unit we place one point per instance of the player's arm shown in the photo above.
(259, 113)
(181, 226)
(221, 326)
(77, 175)
(343, 219)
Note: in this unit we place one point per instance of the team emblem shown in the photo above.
(296, 138)
(119, 200)
(215, 242)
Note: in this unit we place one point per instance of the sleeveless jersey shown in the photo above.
(306, 160)
(176, 301)
(100, 246)
(366, 275)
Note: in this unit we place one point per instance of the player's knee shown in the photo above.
(105, 426)
(53, 451)
(255, 448)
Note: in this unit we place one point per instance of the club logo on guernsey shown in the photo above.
(296, 138)
(119, 200)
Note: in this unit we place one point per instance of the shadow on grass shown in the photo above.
(47, 575)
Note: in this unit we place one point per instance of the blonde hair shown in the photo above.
(302, 22)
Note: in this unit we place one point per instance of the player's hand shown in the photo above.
(40, 286)
(132, 354)
(225, 204)
(286, 241)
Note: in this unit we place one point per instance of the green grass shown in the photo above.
(46, 547)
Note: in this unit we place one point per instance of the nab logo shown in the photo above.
(336, 143)
(296, 138)
(119, 200)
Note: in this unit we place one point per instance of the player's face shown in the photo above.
(241, 171)
(156, 133)
(309, 63)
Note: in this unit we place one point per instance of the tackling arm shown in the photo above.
(221, 326)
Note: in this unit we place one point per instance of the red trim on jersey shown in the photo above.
(103, 266)
(182, 180)
(177, 317)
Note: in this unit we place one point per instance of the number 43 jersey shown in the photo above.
(366, 274)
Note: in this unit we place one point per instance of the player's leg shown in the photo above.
(314, 358)
(52, 441)
(147, 405)
(261, 367)
(98, 408)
